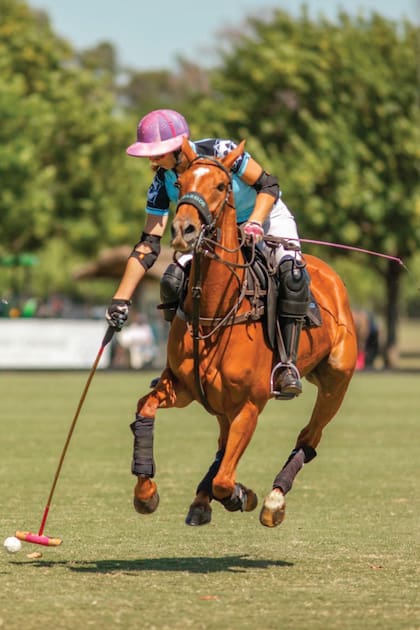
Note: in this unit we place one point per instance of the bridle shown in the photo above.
(204, 246)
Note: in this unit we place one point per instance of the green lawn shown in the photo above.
(346, 556)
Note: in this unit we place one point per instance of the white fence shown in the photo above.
(51, 344)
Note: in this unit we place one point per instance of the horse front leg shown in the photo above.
(167, 393)
(235, 496)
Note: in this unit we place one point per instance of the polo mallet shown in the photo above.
(40, 538)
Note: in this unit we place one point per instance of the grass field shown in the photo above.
(346, 557)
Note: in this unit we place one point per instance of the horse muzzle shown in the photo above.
(184, 235)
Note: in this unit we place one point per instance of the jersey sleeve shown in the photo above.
(157, 196)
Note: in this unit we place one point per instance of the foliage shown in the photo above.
(334, 109)
(62, 146)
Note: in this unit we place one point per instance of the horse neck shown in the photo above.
(229, 249)
(221, 283)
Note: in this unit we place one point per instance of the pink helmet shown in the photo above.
(159, 132)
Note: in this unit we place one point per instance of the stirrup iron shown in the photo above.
(278, 394)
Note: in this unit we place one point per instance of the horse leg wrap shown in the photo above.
(299, 456)
(205, 484)
(237, 500)
(143, 463)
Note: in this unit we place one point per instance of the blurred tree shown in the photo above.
(102, 59)
(62, 139)
(141, 92)
(334, 109)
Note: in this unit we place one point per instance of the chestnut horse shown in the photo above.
(219, 355)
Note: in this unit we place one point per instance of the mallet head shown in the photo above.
(38, 539)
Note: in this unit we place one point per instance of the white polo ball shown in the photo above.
(12, 544)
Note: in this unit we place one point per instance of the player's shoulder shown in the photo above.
(217, 147)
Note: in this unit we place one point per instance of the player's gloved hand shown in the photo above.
(253, 231)
(117, 313)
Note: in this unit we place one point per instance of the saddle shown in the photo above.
(263, 293)
(261, 287)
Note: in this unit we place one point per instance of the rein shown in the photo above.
(204, 247)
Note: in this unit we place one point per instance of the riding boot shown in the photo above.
(288, 380)
(293, 304)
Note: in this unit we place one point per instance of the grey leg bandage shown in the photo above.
(298, 457)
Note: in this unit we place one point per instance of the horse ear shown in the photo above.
(231, 157)
(187, 150)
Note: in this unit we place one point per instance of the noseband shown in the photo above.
(197, 200)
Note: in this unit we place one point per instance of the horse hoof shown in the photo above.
(274, 509)
(146, 507)
(242, 499)
(198, 515)
(251, 501)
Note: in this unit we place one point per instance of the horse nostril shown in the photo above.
(189, 229)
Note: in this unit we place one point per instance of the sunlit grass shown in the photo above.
(346, 556)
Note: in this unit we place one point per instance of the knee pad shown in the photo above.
(293, 288)
(171, 286)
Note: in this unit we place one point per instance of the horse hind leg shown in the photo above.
(332, 386)
(273, 510)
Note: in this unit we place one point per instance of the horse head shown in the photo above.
(204, 190)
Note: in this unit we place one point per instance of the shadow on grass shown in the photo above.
(234, 564)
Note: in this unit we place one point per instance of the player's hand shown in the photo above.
(117, 313)
(253, 230)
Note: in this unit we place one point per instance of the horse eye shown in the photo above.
(177, 184)
(221, 187)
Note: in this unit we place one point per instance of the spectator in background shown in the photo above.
(139, 340)
(367, 330)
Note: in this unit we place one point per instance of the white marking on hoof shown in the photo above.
(273, 510)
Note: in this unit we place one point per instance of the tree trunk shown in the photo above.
(393, 285)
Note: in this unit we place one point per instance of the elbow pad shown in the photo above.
(268, 184)
(147, 259)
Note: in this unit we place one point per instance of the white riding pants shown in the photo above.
(281, 224)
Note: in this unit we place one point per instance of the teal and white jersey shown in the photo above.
(162, 191)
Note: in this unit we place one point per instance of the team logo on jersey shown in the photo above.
(154, 189)
(223, 147)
